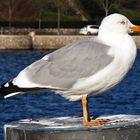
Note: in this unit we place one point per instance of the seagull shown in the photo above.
(83, 68)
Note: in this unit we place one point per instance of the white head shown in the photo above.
(118, 24)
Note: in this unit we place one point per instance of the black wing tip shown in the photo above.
(6, 88)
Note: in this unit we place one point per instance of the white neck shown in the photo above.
(112, 39)
(122, 46)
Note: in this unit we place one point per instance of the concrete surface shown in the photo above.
(43, 41)
(11, 42)
(119, 127)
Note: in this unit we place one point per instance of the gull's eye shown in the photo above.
(122, 22)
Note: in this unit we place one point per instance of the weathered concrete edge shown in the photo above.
(37, 42)
(10, 42)
(70, 128)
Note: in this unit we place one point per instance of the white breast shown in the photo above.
(124, 52)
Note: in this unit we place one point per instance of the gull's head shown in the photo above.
(118, 24)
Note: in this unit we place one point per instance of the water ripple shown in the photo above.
(124, 99)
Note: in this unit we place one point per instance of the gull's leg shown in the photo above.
(86, 117)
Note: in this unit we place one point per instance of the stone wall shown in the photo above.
(43, 41)
(15, 42)
(137, 40)
(54, 42)
(45, 31)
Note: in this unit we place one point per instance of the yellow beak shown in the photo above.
(135, 28)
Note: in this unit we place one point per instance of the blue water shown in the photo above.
(124, 99)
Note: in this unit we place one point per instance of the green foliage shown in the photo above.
(40, 7)
(70, 10)
(47, 10)
(95, 9)
(133, 15)
(52, 16)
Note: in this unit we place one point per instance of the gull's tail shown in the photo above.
(8, 89)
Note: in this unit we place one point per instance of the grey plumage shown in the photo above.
(65, 66)
(86, 67)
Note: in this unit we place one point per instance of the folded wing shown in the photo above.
(62, 68)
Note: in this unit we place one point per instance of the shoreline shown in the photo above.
(43, 42)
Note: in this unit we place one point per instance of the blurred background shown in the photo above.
(21, 17)
(41, 14)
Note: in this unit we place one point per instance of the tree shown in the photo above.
(107, 4)
(10, 4)
(43, 7)
(39, 7)
(60, 6)
(14, 10)
(76, 7)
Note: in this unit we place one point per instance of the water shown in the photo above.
(124, 99)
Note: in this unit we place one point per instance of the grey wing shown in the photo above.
(64, 67)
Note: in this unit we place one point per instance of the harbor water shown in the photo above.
(123, 99)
